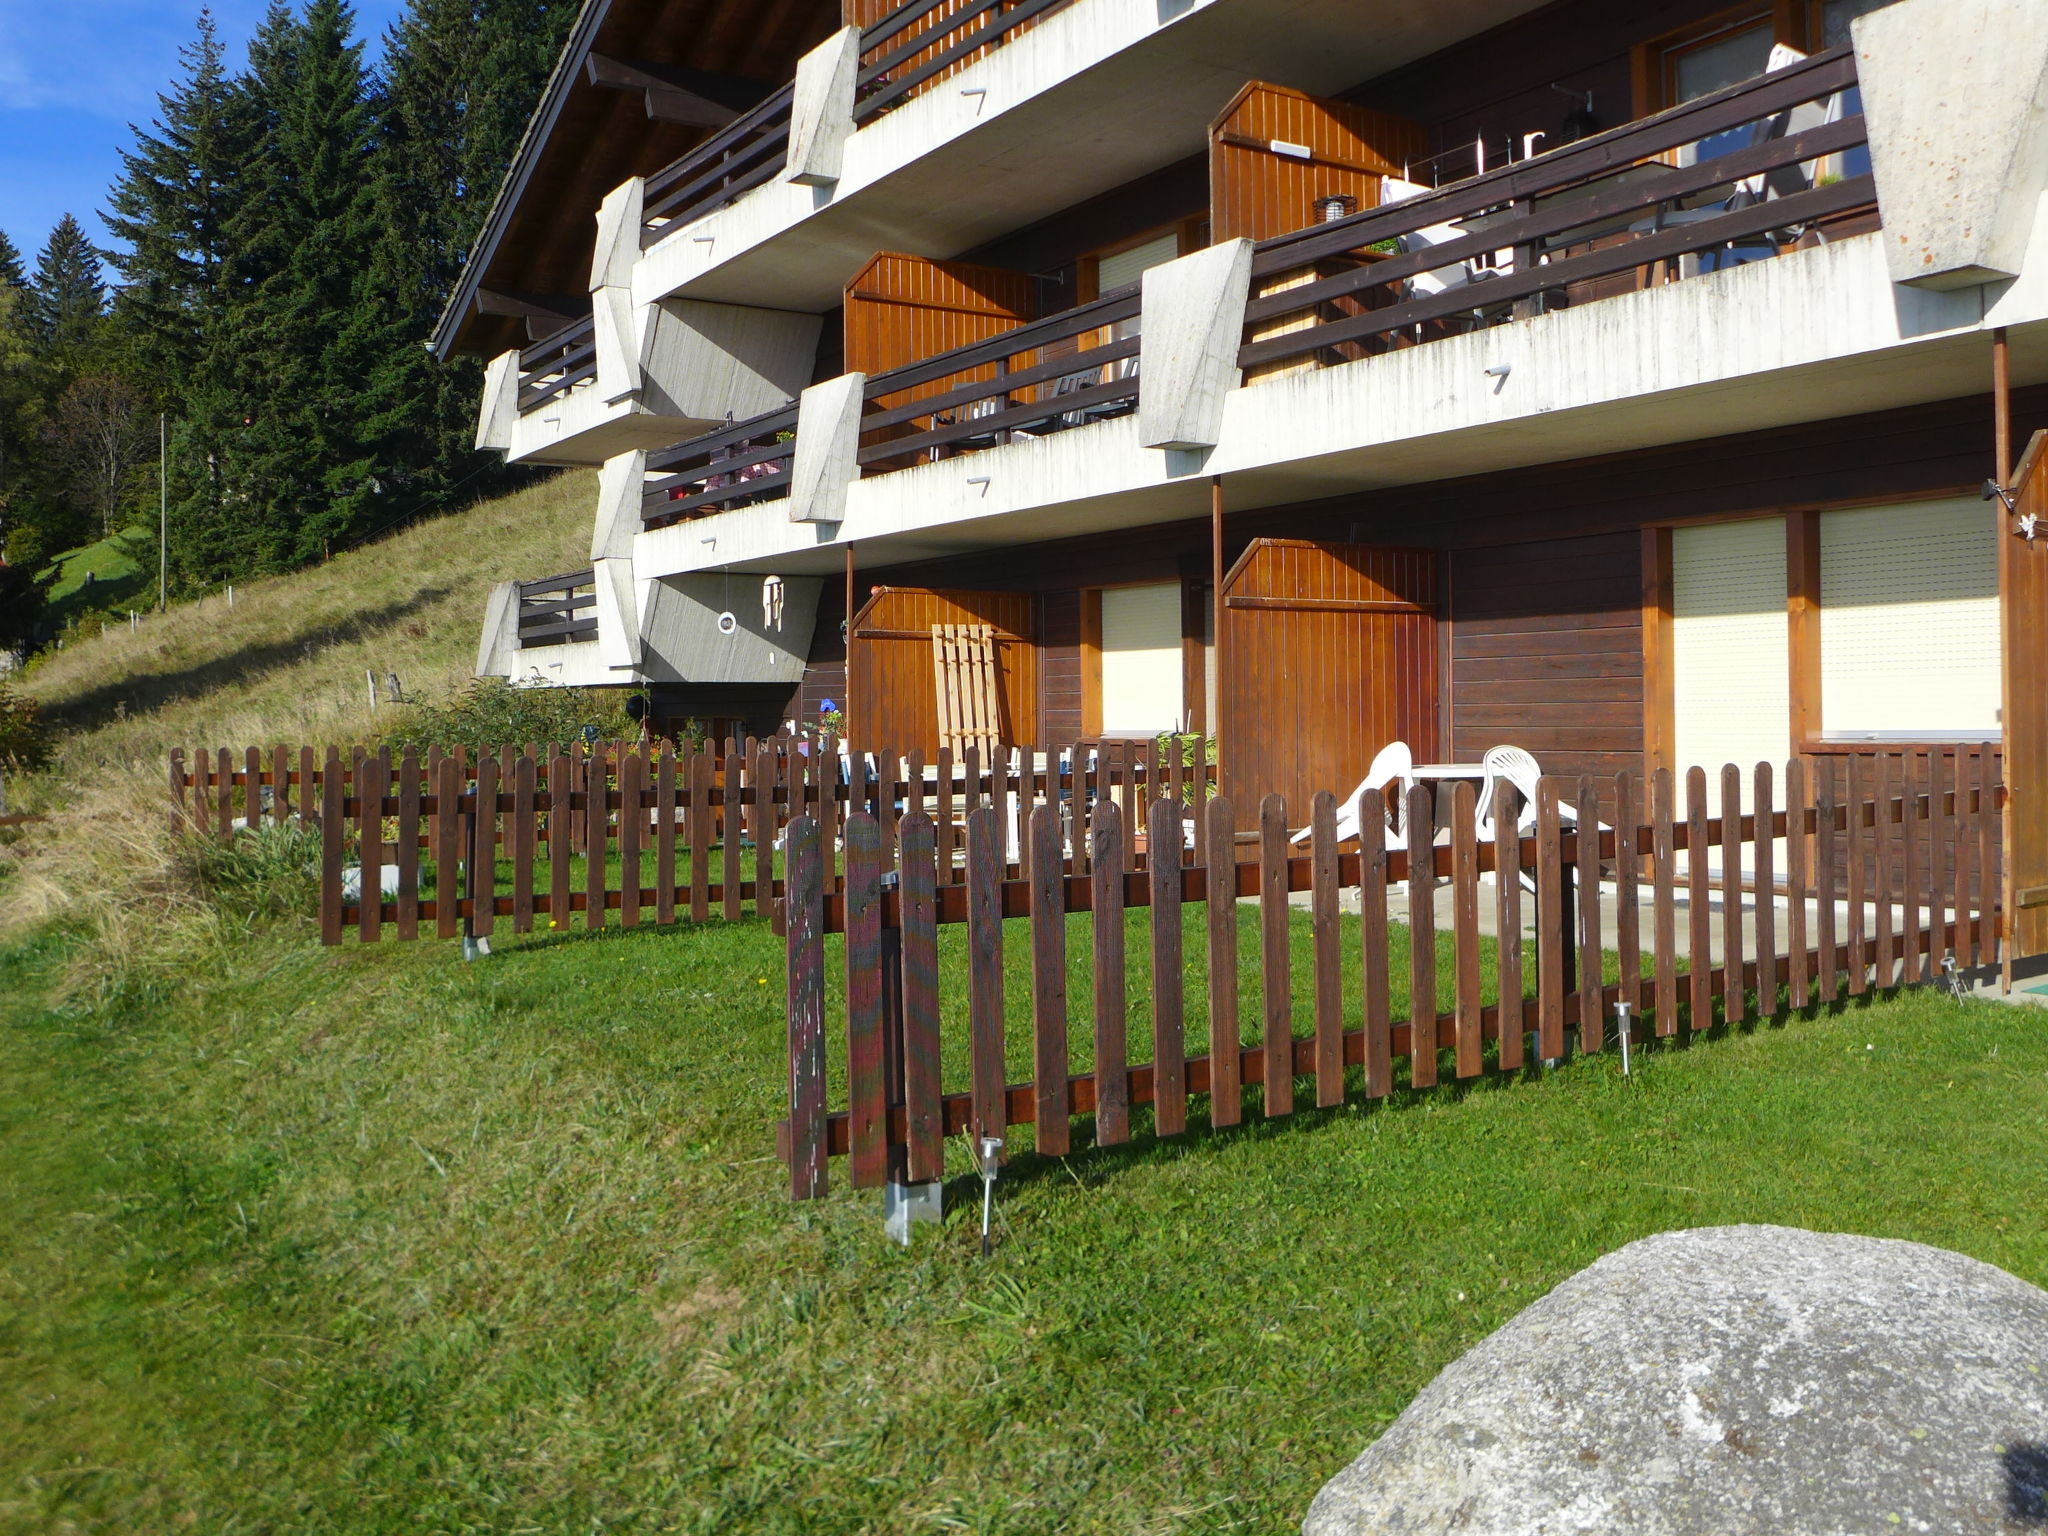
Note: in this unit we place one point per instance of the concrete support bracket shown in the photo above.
(618, 236)
(499, 641)
(615, 333)
(498, 410)
(619, 484)
(618, 615)
(1955, 93)
(821, 109)
(1193, 320)
(825, 460)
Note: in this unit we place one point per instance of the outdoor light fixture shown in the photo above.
(1337, 205)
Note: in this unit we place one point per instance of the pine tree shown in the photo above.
(12, 273)
(176, 196)
(67, 298)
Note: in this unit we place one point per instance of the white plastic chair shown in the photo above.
(1394, 761)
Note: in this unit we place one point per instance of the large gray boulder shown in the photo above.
(1725, 1381)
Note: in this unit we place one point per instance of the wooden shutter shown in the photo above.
(2023, 598)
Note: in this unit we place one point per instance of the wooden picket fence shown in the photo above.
(537, 835)
(1879, 871)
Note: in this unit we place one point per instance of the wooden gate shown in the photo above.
(891, 700)
(2023, 610)
(1329, 653)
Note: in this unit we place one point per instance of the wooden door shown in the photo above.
(1328, 654)
(892, 703)
(2023, 612)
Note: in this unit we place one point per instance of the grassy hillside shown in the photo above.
(284, 664)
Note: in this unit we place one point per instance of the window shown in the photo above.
(1909, 647)
(1141, 660)
(1730, 648)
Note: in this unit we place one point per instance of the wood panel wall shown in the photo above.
(1256, 192)
(892, 702)
(2023, 590)
(1329, 654)
(1546, 653)
(902, 309)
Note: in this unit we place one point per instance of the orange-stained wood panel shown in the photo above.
(1329, 654)
(903, 309)
(2023, 606)
(1257, 191)
(892, 699)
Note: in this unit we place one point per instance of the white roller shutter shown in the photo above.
(1141, 660)
(1731, 652)
(1909, 623)
(1128, 266)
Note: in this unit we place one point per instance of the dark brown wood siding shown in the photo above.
(902, 309)
(1329, 654)
(1059, 665)
(1546, 653)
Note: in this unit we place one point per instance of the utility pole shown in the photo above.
(163, 512)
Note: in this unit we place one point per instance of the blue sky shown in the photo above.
(75, 73)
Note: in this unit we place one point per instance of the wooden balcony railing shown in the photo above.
(907, 51)
(1047, 376)
(556, 610)
(922, 42)
(557, 363)
(1599, 217)
(1608, 214)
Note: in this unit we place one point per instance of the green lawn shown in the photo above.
(368, 1240)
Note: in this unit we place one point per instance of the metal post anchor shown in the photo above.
(991, 1151)
(1621, 1022)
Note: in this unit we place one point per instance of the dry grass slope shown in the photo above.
(285, 664)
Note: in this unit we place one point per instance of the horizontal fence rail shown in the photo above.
(1877, 873)
(557, 363)
(538, 834)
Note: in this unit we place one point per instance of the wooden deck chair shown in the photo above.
(964, 673)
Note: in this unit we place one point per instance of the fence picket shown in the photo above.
(805, 949)
(1106, 870)
(985, 971)
(1883, 957)
(1169, 1016)
(1855, 883)
(1965, 883)
(281, 784)
(1592, 1024)
(408, 852)
(448, 850)
(866, 1089)
(1940, 870)
(1551, 917)
(632, 819)
(1276, 989)
(1734, 993)
(1663, 903)
(369, 850)
(701, 840)
(1699, 899)
(1329, 961)
(1375, 987)
(561, 837)
(596, 838)
(483, 848)
(224, 791)
(1827, 878)
(523, 788)
(1226, 1087)
(1988, 866)
(1766, 901)
(332, 835)
(1628, 919)
(731, 831)
(1050, 1108)
(1506, 816)
(924, 1115)
(1798, 884)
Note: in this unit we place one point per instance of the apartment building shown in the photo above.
(1615, 378)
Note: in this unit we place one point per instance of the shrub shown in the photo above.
(492, 712)
(24, 739)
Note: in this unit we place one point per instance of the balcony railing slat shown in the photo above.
(910, 48)
(987, 35)
(1022, 378)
